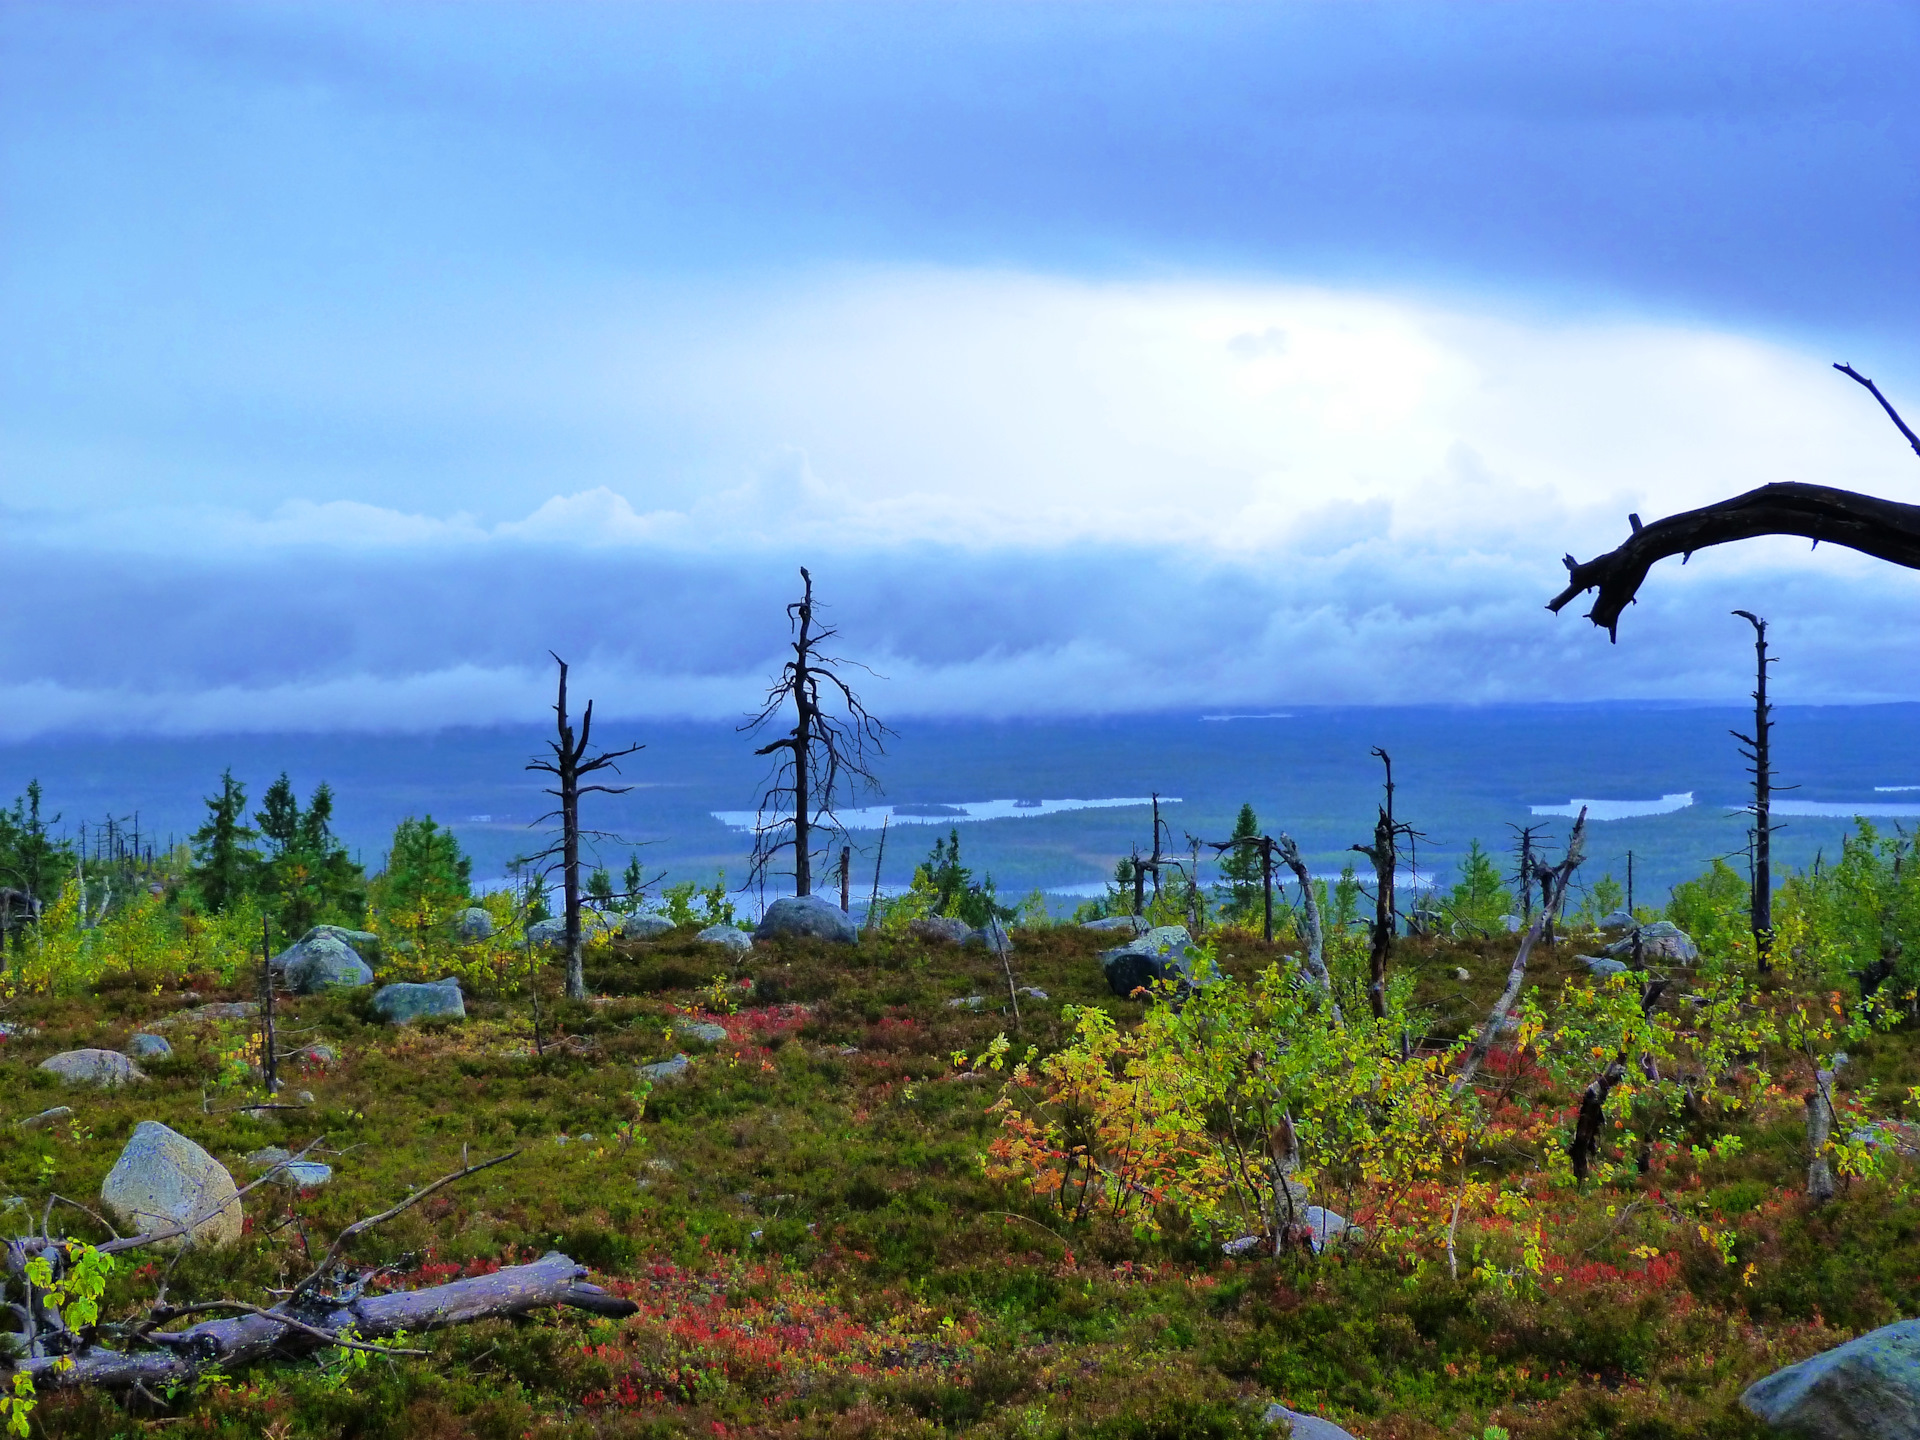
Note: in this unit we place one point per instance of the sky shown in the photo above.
(1094, 358)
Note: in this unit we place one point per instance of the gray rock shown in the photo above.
(1867, 1389)
(1245, 1245)
(1305, 1427)
(645, 927)
(361, 942)
(1661, 941)
(149, 1047)
(1617, 920)
(940, 930)
(593, 926)
(283, 1169)
(318, 1053)
(994, 936)
(699, 1029)
(472, 925)
(1600, 966)
(268, 1156)
(1033, 992)
(11, 1031)
(1134, 924)
(324, 962)
(812, 917)
(162, 1178)
(102, 1068)
(46, 1117)
(1163, 954)
(730, 936)
(1323, 1226)
(968, 1002)
(403, 1004)
(218, 1010)
(666, 1072)
(1513, 923)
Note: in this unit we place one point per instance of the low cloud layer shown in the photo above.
(1018, 496)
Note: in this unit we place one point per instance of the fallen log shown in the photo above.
(180, 1355)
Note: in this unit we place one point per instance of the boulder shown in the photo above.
(149, 1047)
(699, 1029)
(1661, 941)
(162, 1178)
(46, 1117)
(1132, 924)
(730, 936)
(404, 1004)
(1033, 992)
(939, 930)
(472, 925)
(968, 1002)
(994, 936)
(1601, 966)
(666, 1072)
(319, 1053)
(324, 962)
(1305, 1427)
(102, 1068)
(218, 1010)
(1163, 954)
(813, 917)
(1866, 1389)
(1617, 920)
(645, 927)
(1323, 1226)
(1513, 923)
(593, 926)
(361, 942)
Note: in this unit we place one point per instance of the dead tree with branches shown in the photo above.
(1384, 852)
(569, 760)
(826, 753)
(1885, 529)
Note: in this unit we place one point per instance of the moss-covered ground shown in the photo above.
(805, 1224)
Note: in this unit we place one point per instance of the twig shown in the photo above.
(358, 1226)
(1892, 414)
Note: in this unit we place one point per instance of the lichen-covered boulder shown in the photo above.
(1866, 1389)
(361, 942)
(405, 1003)
(325, 962)
(939, 930)
(807, 916)
(472, 925)
(149, 1047)
(730, 936)
(699, 1029)
(593, 926)
(1133, 924)
(645, 927)
(102, 1068)
(1617, 920)
(1166, 953)
(1305, 1427)
(994, 936)
(1661, 941)
(1601, 966)
(666, 1072)
(282, 1169)
(162, 1178)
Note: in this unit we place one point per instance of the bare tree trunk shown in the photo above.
(1759, 753)
(1316, 966)
(1819, 1133)
(1383, 853)
(1266, 887)
(846, 880)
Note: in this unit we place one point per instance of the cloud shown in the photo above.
(1020, 495)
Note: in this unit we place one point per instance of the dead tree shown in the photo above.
(1591, 1118)
(1384, 853)
(824, 754)
(1759, 755)
(1554, 883)
(333, 1307)
(1528, 865)
(1884, 529)
(1289, 854)
(570, 761)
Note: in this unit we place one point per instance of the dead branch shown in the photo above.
(1885, 404)
(554, 1279)
(1884, 529)
(1289, 854)
(1555, 884)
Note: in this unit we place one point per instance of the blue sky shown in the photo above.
(1094, 356)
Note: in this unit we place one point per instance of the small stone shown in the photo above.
(660, 1165)
(1461, 974)
(303, 1097)
(149, 1047)
(1243, 1246)
(699, 1030)
(11, 1031)
(1033, 992)
(162, 1178)
(666, 1072)
(46, 1117)
(301, 1175)
(405, 1003)
(103, 1068)
(968, 1002)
